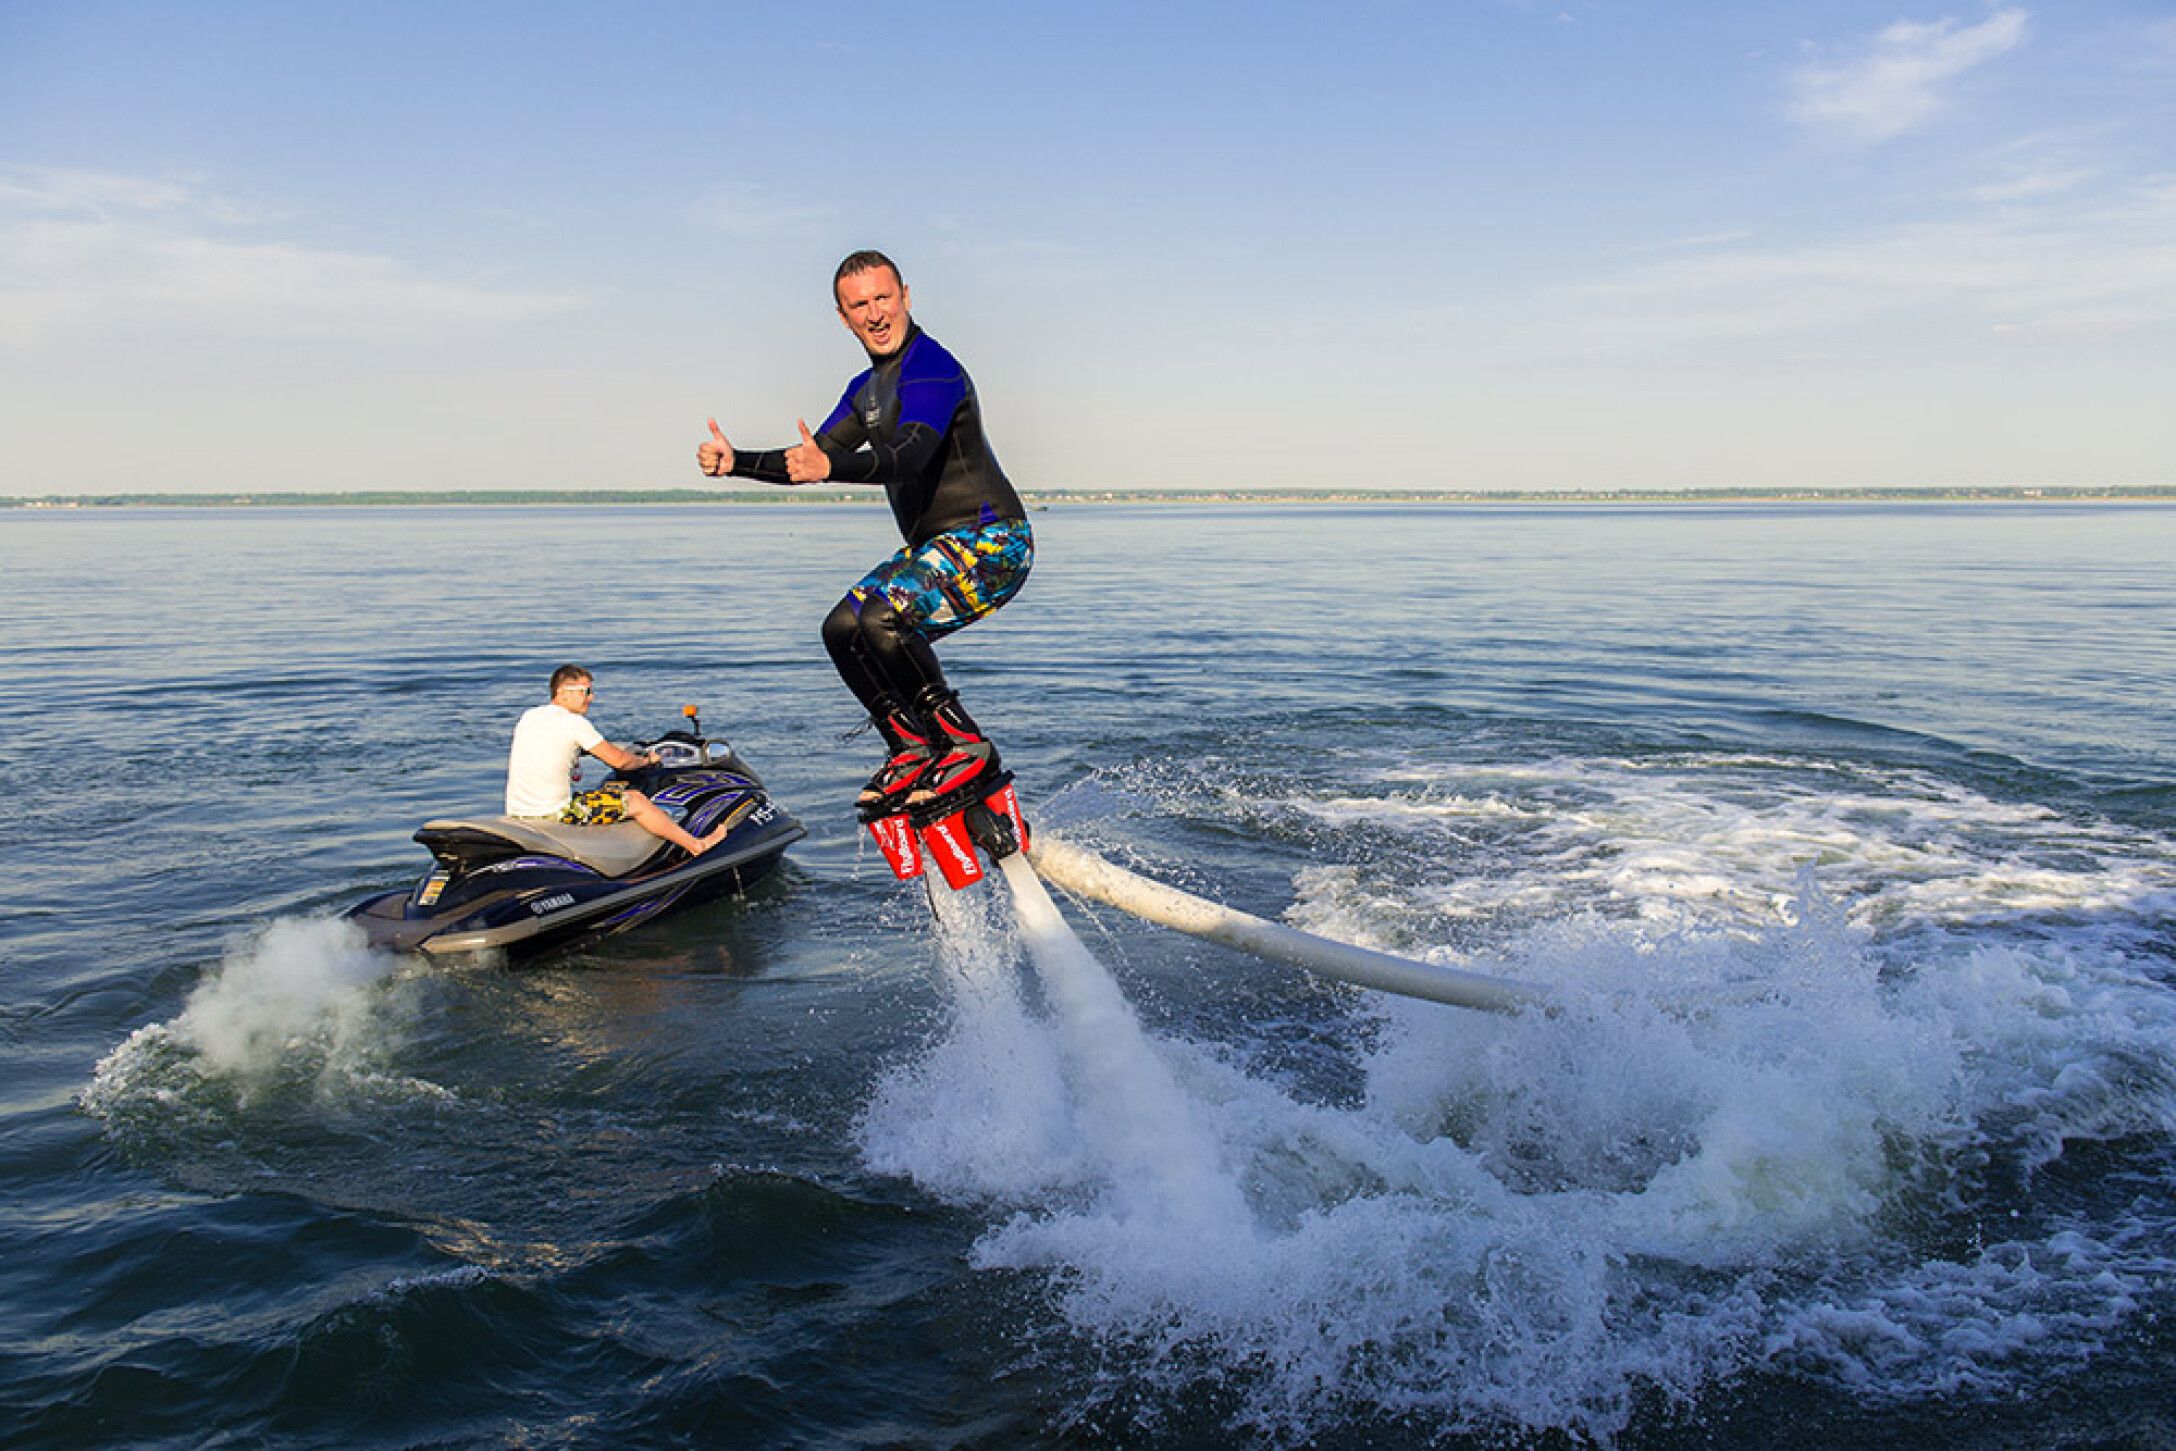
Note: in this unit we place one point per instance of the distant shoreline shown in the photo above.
(2136, 494)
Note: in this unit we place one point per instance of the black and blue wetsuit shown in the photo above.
(912, 423)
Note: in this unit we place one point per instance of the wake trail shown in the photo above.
(304, 1008)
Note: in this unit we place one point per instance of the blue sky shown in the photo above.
(1472, 244)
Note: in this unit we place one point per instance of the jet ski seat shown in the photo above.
(614, 850)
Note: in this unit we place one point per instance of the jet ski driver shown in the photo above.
(550, 738)
(911, 422)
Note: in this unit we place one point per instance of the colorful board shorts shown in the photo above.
(954, 579)
(605, 806)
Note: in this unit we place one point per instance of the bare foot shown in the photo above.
(717, 834)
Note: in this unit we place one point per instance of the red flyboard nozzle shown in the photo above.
(1005, 803)
(947, 841)
(895, 838)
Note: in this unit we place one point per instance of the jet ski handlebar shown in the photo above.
(677, 750)
(690, 749)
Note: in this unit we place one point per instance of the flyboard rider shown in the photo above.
(912, 423)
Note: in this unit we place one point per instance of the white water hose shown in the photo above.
(1085, 874)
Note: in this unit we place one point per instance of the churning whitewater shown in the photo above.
(1753, 1138)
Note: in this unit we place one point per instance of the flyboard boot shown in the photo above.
(965, 798)
(882, 805)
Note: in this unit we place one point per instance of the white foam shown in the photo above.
(1162, 1166)
(984, 1112)
(1012, 1109)
(301, 1003)
(1812, 1012)
(1719, 839)
(1947, 1328)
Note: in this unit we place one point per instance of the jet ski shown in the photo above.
(524, 885)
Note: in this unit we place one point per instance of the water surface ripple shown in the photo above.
(1847, 833)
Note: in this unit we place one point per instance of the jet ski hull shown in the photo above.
(499, 884)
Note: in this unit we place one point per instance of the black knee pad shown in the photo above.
(875, 644)
(841, 627)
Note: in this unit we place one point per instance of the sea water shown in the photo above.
(1845, 836)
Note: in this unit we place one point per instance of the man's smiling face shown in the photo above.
(873, 305)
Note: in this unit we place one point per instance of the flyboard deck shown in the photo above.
(949, 830)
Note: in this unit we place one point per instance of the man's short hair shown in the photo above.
(569, 675)
(863, 262)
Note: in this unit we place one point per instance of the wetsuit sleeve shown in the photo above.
(839, 437)
(766, 464)
(927, 406)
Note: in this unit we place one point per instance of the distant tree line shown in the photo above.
(409, 497)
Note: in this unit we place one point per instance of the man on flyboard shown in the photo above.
(912, 423)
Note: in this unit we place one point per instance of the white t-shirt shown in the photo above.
(548, 740)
